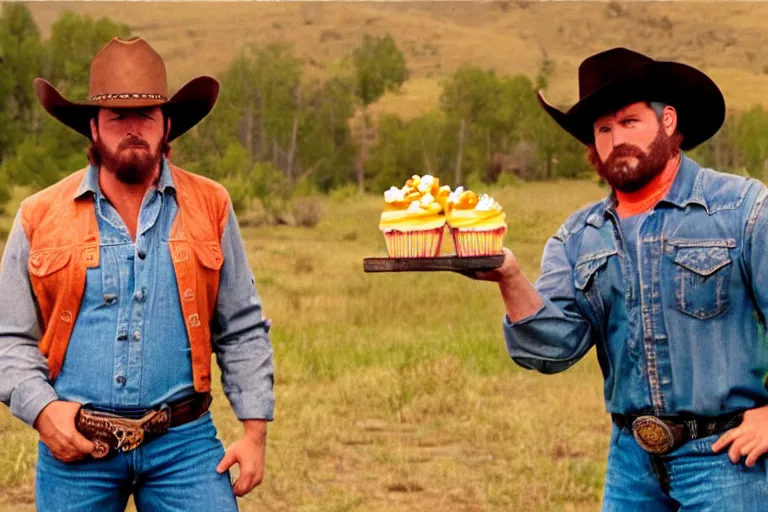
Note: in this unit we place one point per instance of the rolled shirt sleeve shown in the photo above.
(24, 384)
(241, 333)
(557, 335)
(756, 249)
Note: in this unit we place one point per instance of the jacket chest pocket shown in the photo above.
(586, 278)
(47, 266)
(48, 273)
(702, 275)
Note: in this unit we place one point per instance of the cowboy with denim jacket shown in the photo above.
(668, 279)
(118, 285)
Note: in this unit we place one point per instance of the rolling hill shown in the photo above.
(724, 39)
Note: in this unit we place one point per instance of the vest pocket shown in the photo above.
(45, 262)
(209, 254)
(702, 277)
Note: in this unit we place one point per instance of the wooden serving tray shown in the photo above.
(440, 263)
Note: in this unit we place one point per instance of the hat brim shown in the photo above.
(190, 105)
(699, 103)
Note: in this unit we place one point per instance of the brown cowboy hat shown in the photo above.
(130, 74)
(618, 77)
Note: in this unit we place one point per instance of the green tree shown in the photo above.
(326, 153)
(379, 66)
(720, 152)
(22, 54)
(301, 129)
(270, 186)
(259, 106)
(75, 40)
(421, 146)
(31, 167)
(49, 149)
(750, 138)
(491, 114)
(470, 98)
(558, 154)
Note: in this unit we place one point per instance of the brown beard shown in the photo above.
(129, 166)
(620, 176)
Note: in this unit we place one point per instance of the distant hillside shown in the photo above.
(727, 40)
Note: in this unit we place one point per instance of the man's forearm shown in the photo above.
(255, 429)
(521, 299)
(543, 328)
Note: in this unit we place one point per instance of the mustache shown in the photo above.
(132, 140)
(625, 151)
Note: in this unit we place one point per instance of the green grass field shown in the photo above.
(394, 391)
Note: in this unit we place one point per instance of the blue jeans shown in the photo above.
(175, 472)
(699, 480)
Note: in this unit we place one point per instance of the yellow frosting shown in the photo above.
(466, 210)
(476, 219)
(419, 217)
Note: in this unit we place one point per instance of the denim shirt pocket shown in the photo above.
(702, 276)
(585, 278)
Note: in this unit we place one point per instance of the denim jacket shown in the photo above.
(679, 326)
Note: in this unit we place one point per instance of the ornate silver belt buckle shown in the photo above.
(130, 434)
(653, 435)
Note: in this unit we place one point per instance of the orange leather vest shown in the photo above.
(64, 241)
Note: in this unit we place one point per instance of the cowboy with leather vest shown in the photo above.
(119, 283)
(667, 278)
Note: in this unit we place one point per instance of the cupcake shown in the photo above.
(413, 220)
(477, 224)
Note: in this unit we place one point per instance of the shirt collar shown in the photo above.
(685, 190)
(90, 181)
(687, 187)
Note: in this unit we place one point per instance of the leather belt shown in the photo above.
(660, 435)
(113, 431)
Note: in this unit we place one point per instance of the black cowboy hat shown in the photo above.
(618, 77)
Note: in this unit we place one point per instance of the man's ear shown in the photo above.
(669, 120)
(94, 130)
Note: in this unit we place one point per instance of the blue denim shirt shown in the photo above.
(678, 324)
(129, 347)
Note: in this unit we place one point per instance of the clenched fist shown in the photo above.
(56, 425)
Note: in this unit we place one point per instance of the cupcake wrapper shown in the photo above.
(477, 242)
(414, 244)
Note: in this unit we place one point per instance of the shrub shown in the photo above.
(307, 212)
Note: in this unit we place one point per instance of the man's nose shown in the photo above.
(134, 126)
(618, 137)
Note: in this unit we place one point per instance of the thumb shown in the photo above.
(82, 443)
(227, 461)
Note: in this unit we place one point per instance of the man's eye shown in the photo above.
(628, 122)
(603, 129)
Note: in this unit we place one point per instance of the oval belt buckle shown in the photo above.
(653, 435)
